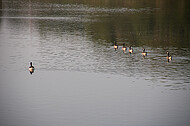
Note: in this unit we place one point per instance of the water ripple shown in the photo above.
(69, 45)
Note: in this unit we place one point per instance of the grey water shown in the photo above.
(79, 79)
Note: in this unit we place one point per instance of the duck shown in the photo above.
(130, 50)
(169, 57)
(31, 68)
(124, 48)
(144, 53)
(115, 46)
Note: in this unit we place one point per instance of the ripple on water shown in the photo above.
(67, 46)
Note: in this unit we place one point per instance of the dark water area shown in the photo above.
(152, 23)
(79, 78)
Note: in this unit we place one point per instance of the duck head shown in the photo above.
(168, 54)
(143, 49)
(30, 63)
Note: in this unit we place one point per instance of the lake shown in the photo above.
(79, 79)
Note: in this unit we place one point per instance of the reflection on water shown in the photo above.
(79, 37)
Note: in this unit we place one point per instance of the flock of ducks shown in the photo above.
(124, 48)
(144, 53)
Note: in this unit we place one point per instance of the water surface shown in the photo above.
(79, 78)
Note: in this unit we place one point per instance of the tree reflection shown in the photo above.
(155, 23)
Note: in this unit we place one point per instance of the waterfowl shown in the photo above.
(31, 68)
(144, 53)
(169, 57)
(130, 50)
(115, 46)
(124, 48)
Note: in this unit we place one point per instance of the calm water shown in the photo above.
(79, 78)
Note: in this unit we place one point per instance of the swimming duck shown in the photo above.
(130, 50)
(169, 57)
(144, 53)
(124, 48)
(31, 68)
(115, 46)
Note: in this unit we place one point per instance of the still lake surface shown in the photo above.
(79, 79)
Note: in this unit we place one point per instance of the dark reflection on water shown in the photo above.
(156, 23)
(79, 36)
